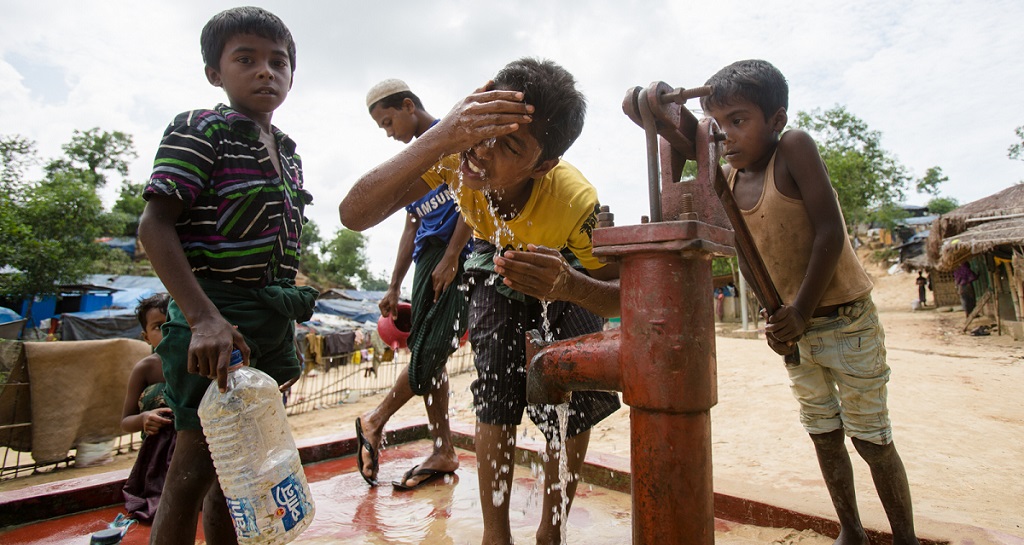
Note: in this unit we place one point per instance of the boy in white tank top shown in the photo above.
(783, 190)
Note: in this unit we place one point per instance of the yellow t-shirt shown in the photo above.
(560, 213)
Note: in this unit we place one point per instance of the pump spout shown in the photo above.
(590, 362)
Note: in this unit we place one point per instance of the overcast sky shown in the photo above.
(942, 81)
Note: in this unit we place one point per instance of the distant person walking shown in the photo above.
(922, 288)
(964, 277)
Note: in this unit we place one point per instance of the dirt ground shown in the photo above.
(954, 400)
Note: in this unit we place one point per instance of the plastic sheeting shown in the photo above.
(100, 324)
(8, 315)
(130, 289)
(359, 311)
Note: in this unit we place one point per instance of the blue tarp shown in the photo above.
(363, 295)
(8, 315)
(359, 311)
(131, 289)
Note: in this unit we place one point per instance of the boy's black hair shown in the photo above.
(156, 301)
(243, 20)
(559, 108)
(396, 100)
(753, 80)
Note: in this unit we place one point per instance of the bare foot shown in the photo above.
(851, 537)
(430, 468)
(369, 436)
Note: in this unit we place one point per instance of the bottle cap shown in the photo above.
(236, 360)
(107, 536)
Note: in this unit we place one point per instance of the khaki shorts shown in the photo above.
(841, 380)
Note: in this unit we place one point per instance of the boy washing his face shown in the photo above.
(499, 150)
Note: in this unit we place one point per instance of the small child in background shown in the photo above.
(922, 283)
(145, 411)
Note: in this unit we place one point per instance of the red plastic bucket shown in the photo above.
(395, 332)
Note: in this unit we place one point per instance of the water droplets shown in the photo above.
(499, 494)
(563, 465)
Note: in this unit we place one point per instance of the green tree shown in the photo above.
(128, 208)
(371, 282)
(888, 216)
(942, 205)
(93, 153)
(931, 181)
(57, 227)
(1016, 151)
(865, 175)
(311, 246)
(17, 153)
(345, 258)
(724, 265)
(689, 171)
(48, 228)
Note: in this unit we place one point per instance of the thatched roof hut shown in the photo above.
(977, 227)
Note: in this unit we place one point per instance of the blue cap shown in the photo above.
(106, 536)
(236, 358)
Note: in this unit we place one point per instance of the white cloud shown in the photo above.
(916, 71)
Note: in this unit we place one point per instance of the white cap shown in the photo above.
(384, 89)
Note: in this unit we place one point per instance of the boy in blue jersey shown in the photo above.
(435, 238)
(221, 226)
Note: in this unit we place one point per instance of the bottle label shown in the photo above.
(244, 517)
(292, 504)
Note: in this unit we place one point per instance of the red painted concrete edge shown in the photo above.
(61, 498)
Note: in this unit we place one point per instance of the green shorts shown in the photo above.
(265, 317)
(842, 376)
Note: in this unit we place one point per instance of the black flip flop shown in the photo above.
(364, 444)
(431, 474)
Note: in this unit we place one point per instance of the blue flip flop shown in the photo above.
(374, 460)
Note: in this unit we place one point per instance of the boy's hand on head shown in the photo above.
(787, 324)
(482, 115)
(540, 272)
(209, 352)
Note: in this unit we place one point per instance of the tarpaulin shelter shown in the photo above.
(358, 311)
(130, 289)
(100, 324)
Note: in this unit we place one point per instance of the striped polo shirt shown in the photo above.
(242, 220)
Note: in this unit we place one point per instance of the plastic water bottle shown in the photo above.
(255, 456)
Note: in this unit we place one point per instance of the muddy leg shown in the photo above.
(837, 470)
(217, 526)
(890, 479)
(189, 477)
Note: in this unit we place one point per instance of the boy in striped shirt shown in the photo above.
(221, 226)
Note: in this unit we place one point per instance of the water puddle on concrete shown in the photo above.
(442, 512)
